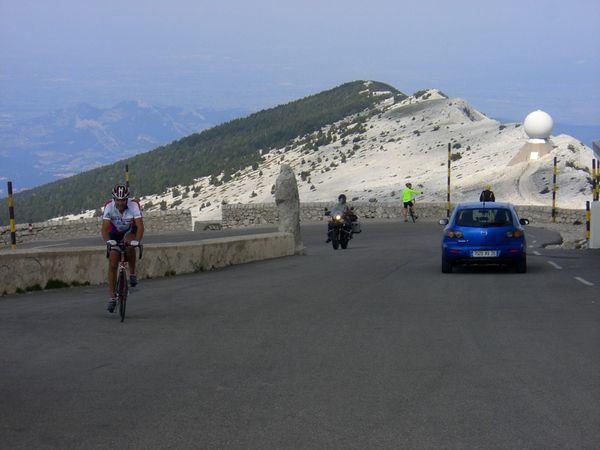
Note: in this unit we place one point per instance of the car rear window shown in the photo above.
(484, 217)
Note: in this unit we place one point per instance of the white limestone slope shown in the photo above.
(408, 141)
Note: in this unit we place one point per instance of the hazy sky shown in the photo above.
(506, 58)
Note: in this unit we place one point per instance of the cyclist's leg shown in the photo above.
(405, 211)
(130, 252)
(131, 259)
(113, 263)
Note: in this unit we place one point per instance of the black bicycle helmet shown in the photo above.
(409, 185)
(120, 192)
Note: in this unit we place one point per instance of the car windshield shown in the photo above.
(484, 217)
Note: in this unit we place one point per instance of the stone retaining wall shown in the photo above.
(154, 222)
(245, 215)
(25, 270)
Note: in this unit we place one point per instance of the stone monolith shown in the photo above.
(287, 200)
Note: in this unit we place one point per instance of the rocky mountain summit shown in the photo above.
(371, 156)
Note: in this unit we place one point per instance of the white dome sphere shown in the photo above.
(538, 125)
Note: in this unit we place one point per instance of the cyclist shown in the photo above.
(121, 221)
(407, 198)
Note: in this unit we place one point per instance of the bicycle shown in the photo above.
(411, 211)
(122, 287)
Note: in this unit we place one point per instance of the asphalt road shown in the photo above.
(369, 347)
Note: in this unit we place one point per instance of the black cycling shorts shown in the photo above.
(116, 236)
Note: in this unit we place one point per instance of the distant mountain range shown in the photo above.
(69, 141)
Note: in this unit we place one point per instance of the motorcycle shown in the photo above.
(342, 226)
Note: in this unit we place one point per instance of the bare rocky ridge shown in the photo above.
(371, 158)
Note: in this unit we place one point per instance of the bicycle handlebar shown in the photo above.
(121, 247)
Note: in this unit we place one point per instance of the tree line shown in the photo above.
(226, 148)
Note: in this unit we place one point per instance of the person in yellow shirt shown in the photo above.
(408, 194)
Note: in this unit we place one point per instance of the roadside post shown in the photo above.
(595, 179)
(594, 213)
(554, 191)
(587, 220)
(11, 215)
(449, 174)
(127, 175)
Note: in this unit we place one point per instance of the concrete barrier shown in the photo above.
(26, 270)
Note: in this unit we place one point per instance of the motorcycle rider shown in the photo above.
(341, 208)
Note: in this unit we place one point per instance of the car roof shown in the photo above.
(472, 205)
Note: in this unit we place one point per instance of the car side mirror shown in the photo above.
(443, 222)
(524, 221)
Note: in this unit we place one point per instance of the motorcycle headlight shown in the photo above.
(338, 217)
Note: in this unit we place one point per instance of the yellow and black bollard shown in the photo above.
(127, 175)
(593, 179)
(449, 174)
(587, 220)
(11, 215)
(554, 192)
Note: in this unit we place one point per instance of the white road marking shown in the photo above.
(553, 264)
(586, 282)
(535, 252)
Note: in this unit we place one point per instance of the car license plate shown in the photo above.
(484, 253)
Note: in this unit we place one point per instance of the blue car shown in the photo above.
(484, 233)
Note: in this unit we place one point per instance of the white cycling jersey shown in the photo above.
(122, 222)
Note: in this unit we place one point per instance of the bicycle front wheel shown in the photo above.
(122, 293)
